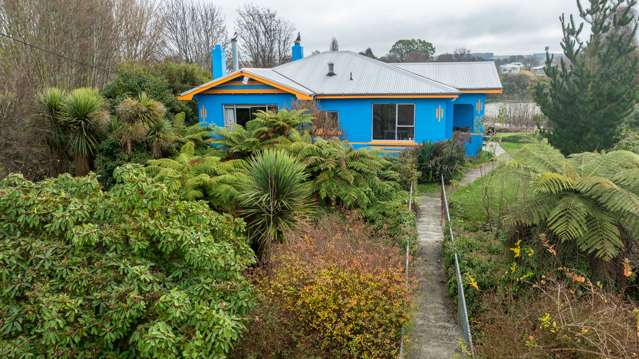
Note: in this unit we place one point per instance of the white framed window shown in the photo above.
(393, 121)
(241, 114)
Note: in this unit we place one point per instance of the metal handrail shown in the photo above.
(462, 309)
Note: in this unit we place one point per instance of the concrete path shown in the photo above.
(435, 333)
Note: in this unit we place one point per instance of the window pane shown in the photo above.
(384, 121)
(405, 133)
(406, 115)
(229, 116)
(242, 115)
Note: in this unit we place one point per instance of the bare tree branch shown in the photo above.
(191, 29)
(265, 39)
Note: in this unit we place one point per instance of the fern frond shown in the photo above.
(628, 179)
(569, 219)
(602, 239)
(553, 183)
(532, 212)
(609, 195)
(542, 158)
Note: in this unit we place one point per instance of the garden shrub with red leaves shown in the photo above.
(330, 291)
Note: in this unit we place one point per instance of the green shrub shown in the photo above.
(629, 141)
(444, 158)
(161, 83)
(393, 222)
(590, 200)
(132, 272)
(110, 156)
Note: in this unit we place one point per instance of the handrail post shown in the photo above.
(410, 209)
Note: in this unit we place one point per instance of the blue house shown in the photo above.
(386, 106)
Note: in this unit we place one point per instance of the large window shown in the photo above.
(393, 121)
(241, 114)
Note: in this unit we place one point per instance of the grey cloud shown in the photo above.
(501, 26)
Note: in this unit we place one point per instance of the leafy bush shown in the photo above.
(444, 158)
(110, 156)
(159, 138)
(629, 141)
(161, 83)
(393, 222)
(132, 272)
(343, 295)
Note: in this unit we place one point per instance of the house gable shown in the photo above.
(243, 82)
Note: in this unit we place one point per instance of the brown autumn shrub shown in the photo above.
(329, 291)
(558, 320)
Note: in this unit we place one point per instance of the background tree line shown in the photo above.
(42, 45)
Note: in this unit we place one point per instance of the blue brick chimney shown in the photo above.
(218, 65)
(298, 49)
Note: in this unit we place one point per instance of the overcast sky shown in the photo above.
(500, 26)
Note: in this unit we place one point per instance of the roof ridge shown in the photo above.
(313, 92)
(444, 62)
(404, 71)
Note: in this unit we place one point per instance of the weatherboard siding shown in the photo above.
(469, 112)
(214, 104)
(356, 117)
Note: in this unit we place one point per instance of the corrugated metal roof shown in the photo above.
(369, 76)
(462, 75)
(273, 76)
(308, 76)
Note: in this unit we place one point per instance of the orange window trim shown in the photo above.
(387, 143)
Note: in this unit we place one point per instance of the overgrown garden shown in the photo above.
(172, 243)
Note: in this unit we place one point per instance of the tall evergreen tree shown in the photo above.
(592, 90)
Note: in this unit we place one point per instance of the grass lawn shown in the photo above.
(513, 141)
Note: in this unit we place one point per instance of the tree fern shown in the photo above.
(202, 177)
(589, 198)
(268, 130)
(345, 176)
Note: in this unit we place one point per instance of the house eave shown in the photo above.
(374, 96)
